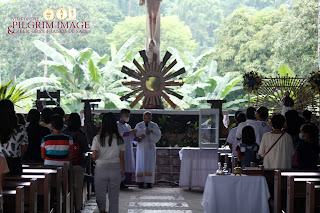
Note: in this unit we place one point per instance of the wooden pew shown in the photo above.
(56, 182)
(312, 197)
(43, 188)
(30, 192)
(296, 188)
(13, 200)
(1, 203)
(280, 184)
(254, 171)
(65, 190)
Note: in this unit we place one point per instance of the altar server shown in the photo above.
(128, 135)
(148, 134)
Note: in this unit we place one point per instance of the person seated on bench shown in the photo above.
(308, 149)
(3, 170)
(276, 147)
(248, 147)
(80, 144)
(35, 135)
(56, 148)
(13, 137)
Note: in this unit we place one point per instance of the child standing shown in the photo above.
(248, 147)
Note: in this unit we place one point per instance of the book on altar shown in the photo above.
(140, 132)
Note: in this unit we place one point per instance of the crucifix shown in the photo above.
(152, 28)
(153, 78)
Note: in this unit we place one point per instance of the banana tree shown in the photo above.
(84, 74)
(202, 81)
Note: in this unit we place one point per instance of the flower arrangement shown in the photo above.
(314, 81)
(252, 81)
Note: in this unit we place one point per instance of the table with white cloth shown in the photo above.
(232, 194)
(197, 164)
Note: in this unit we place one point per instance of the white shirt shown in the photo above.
(233, 140)
(241, 126)
(107, 154)
(260, 127)
(280, 155)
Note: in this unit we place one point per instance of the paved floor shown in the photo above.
(155, 200)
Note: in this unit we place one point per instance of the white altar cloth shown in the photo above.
(196, 164)
(234, 194)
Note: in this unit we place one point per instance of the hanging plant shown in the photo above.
(314, 81)
(252, 82)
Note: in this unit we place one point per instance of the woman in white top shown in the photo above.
(108, 153)
(276, 147)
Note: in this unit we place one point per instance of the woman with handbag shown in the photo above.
(108, 153)
(276, 147)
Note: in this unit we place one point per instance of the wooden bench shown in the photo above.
(312, 197)
(56, 183)
(43, 189)
(296, 188)
(280, 184)
(30, 192)
(65, 193)
(1, 203)
(13, 200)
(254, 171)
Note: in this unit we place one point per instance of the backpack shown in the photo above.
(250, 154)
(77, 156)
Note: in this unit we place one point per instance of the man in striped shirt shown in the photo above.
(56, 148)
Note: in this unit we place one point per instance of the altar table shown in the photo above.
(197, 164)
(232, 194)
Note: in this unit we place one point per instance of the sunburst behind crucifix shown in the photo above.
(153, 82)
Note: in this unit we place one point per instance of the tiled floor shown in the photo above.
(155, 200)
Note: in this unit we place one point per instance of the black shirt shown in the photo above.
(35, 135)
(308, 155)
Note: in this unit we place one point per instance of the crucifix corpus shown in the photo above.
(152, 79)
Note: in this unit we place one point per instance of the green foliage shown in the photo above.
(19, 57)
(246, 41)
(297, 43)
(173, 33)
(13, 92)
(202, 16)
(216, 37)
(84, 74)
(202, 81)
(285, 71)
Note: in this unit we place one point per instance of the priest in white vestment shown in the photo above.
(127, 134)
(148, 134)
